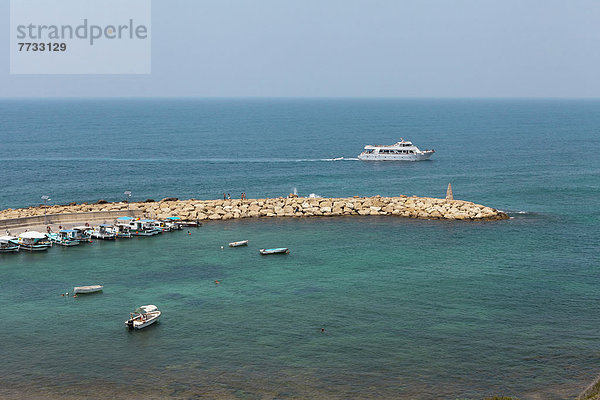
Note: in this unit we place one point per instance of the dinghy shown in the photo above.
(87, 289)
(238, 244)
(143, 317)
(279, 250)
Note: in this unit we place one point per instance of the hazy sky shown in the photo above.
(341, 48)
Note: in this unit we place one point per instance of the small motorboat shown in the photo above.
(87, 289)
(34, 241)
(9, 244)
(64, 237)
(144, 227)
(83, 234)
(238, 244)
(173, 223)
(279, 250)
(123, 231)
(104, 232)
(190, 224)
(142, 317)
(123, 227)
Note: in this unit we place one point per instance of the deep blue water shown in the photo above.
(412, 309)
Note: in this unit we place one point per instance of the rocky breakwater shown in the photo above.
(72, 208)
(402, 206)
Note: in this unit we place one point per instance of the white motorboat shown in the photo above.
(142, 317)
(238, 244)
(87, 289)
(162, 226)
(83, 233)
(9, 244)
(278, 250)
(64, 237)
(123, 228)
(144, 227)
(104, 232)
(174, 223)
(190, 224)
(34, 241)
(401, 151)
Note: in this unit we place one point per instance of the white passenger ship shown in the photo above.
(401, 151)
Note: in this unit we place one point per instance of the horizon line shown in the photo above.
(190, 97)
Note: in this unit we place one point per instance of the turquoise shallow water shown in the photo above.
(411, 309)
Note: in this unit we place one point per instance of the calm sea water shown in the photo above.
(411, 309)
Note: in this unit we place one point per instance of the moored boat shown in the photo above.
(104, 232)
(170, 224)
(144, 227)
(87, 289)
(34, 241)
(143, 316)
(9, 244)
(278, 250)
(123, 227)
(123, 231)
(191, 224)
(83, 233)
(174, 223)
(162, 226)
(238, 244)
(64, 237)
(400, 151)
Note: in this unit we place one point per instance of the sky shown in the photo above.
(349, 48)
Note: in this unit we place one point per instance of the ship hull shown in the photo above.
(395, 157)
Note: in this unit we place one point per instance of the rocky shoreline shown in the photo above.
(192, 209)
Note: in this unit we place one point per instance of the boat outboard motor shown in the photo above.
(130, 322)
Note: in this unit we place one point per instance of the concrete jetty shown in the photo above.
(192, 209)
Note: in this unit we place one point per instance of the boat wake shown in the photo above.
(181, 160)
(510, 212)
(340, 159)
(520, 214)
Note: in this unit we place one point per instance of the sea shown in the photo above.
(362, 307)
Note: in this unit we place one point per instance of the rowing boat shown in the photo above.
(279, 250)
